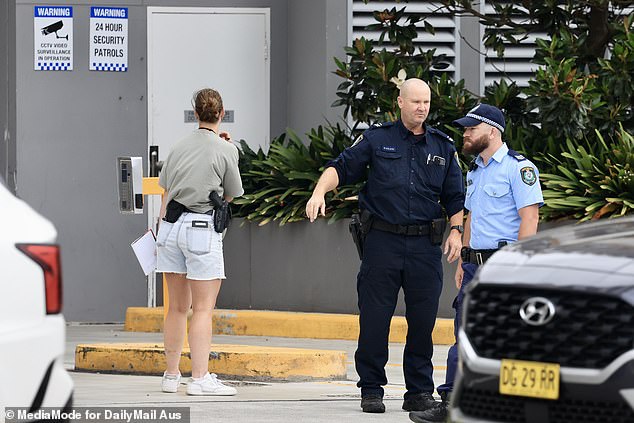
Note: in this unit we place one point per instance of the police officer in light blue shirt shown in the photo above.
(503, 199)
(497, 193)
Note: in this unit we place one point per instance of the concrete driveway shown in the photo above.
(322, 401)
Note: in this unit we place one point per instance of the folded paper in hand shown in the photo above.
(145, 250)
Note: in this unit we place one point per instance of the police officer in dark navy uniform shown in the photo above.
(413, 175)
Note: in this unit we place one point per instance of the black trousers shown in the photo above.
(390, 262)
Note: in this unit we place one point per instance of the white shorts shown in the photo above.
(190, 246)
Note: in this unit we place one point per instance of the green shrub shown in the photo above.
(564, 95)
(279, 184)
(592, 180)
(373, 74)
(615, 80)
(574, 120)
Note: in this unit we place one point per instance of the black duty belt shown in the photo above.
(479, 257)
(409, 230)
(174, 210)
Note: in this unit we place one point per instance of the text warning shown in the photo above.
(109, 39)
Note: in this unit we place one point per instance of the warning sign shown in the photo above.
(53, 26)
(109, 39)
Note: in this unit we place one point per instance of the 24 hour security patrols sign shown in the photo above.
(53, 27)
(109, 39)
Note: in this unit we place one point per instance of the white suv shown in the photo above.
(32, 328)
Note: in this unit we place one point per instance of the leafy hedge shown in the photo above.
(574, 120)
(591, 180)
(278, 185)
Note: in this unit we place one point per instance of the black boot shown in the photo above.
(419, 402)
(437, 414)
(372, 404)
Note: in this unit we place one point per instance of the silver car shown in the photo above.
(548, 330)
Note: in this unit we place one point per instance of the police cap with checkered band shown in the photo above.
(483, 113)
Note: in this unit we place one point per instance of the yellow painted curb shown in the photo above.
(285, 324)
(144, 319)
(235, 361)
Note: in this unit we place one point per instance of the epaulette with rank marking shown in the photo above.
(517, 156)
(381, 125)
(442, 134)
(473, 165)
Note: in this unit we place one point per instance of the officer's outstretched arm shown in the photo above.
(317, 203)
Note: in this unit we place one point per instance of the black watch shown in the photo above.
(459, 228)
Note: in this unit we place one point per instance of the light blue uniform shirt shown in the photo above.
(495, 193)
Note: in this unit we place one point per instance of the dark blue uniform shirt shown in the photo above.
(411, 177)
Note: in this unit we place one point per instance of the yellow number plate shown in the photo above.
(529, 379)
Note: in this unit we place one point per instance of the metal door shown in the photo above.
(222, 48)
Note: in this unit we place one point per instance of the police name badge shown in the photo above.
(528, 175)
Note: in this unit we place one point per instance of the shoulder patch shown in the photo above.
(528, 175)
(517, 156)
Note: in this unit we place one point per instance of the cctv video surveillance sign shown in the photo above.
(109, 39)
(53, 27)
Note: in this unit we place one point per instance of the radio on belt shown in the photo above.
(130, 184)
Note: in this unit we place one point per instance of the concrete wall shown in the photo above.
(469, 59)
(7, 93)
(300, 267)
(4, 86)
(71, 126)
(318, 31)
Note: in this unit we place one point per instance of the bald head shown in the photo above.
(414, 101)
(413, 85)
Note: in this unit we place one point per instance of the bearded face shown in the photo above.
(475, 140)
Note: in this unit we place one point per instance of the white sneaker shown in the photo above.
(209, 385)
(170, 382)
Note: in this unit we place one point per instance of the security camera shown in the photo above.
(54, 27)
